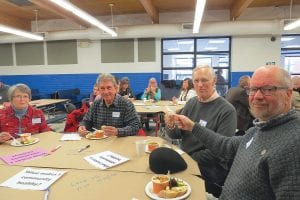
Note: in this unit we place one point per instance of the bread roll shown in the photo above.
(173, 192)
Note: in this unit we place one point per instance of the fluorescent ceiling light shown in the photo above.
(292, 25)
(286, 39)
(19, 32)
(84, 15)
(200, 5)
(216, 41)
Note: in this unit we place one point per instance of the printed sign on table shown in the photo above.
(24, 156)
(33, 179)
(105, 159)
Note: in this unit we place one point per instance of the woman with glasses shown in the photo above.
(19, 116)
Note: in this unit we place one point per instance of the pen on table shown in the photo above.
(46, 196)
(83, 148)
(52, 150)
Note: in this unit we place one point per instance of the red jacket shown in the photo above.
(32, 122)
(74, 118)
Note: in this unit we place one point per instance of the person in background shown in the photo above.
(296, 92)
(152, 92)
(125, 90)
(187, 91)
(3, 92)
(20, 117)
(266, 161)
(238, 97)
(210, 110)
(115, 115)
(95, 94)
(221, 88)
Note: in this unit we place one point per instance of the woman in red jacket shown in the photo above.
(19, 116)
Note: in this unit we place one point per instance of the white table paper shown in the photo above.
(70, 137)
(33, 179)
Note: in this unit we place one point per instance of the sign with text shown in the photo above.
(24, 156)
(33, 179)
(105, 159)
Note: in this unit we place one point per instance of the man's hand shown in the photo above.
(82, 131)
(110, 131)
(4, 136)
(184, 122)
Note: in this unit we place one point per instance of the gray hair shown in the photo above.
(280, 74)
(107, 77)
(211, 70)
(20, 87)
(244, 80)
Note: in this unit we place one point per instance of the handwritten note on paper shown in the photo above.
(70, 137)
(24, 156)
(33, 179)
(105, 159)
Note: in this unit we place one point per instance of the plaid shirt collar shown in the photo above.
(114, 103)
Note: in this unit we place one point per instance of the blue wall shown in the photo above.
(48, 84)
(235, 76)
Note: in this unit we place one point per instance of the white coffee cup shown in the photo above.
(140, 146)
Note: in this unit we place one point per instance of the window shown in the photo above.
(181, 55)
(290, 53)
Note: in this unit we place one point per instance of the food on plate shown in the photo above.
(103, 127)
(96, 134)
(159, 182)
(176, 188)
(25, 138)
(152, 146)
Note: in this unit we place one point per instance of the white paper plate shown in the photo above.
(34, 140)
(95, 138)
(149, 193)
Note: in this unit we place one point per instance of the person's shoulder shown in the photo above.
(224, 103)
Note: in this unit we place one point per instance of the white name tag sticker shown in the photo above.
(249, 142)
(202, 123)
(116, 114)
(36, 120)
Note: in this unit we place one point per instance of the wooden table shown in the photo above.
(156, 107)
(69, 157)
(156, 110)
(94, 185)
(49, 107)
(47, 102)
(84, 181)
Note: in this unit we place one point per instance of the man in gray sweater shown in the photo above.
(266, 160)
(214, 112)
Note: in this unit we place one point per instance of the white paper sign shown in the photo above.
(105, 159)
(33, 179)
(70, 137)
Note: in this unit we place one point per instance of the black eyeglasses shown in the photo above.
(265, 90)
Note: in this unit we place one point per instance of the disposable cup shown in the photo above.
(140, 146)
